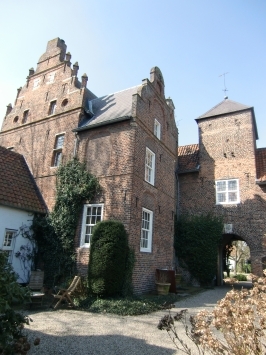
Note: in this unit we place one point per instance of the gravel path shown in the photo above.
(82, 333)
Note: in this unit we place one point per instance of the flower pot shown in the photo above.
(162, 288)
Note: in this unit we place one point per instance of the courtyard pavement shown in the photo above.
(75, 332)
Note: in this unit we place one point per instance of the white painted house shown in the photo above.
(19, 200)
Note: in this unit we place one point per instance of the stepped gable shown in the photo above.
(261, 164)
(188, 158)
(17, 186)
(108, 109)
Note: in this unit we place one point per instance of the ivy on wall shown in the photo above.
(197, 239)
(55, 233)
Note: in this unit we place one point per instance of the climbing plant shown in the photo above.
(55, 232)
(196, 245)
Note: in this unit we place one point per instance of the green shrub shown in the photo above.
(11, 322)
(240, 277)
(196, 245)
(107, 270)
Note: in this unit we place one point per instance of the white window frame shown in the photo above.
(51, 77)
(57, 153)
(9, 248)
(149, 166)
(90, 225)
(146, 231)
(157, 129)
(226, 191)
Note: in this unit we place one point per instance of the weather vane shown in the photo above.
(225, 96)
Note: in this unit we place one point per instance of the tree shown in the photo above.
(240, 253)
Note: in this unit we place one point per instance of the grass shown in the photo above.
(134, 305)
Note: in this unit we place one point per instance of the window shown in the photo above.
(227, 192)
(52, 108)
(57, 157)
(149, 166)
(8, 242)
(36, 83)
(91, 215)
(25, 116)
(146, 230)
(157, 129)
(51, 78)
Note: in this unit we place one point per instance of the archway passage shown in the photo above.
(233, 257)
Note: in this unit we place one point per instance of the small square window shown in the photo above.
(146, 230)
(52, 108)
(57, 156)
(227, 191)
(157, 129)
(149, 166)
(92, 214)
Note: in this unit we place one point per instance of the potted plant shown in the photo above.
(162, 283)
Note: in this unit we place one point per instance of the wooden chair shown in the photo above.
(66, 294)
(36, 285)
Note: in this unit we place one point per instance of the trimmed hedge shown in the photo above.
(108, 263)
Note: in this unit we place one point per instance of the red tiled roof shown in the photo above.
(17, 186)
(188, 158)
(261, 163)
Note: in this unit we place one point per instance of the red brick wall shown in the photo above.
(114, 153)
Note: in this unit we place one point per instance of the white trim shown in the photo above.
(84, 225)
(146, 231)
(223, 192)
(149, 166)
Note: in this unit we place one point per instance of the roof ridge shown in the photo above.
(113, 93)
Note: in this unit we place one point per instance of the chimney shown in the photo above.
(84, 80)
(68, 57)
(75, 69)
(31, 71)
(8, 109)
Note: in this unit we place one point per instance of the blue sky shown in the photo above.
(117, 43)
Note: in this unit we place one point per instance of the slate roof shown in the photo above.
(108, 109)
(188, 158)
(229, 106)
(261, 164)
(226, 106)
(17, 186)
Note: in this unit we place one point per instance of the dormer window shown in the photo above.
(25, 116)
(52, 108)
(157, 129)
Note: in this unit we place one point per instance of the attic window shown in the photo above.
(157, 129)
(25, 116)
(15, 119)
(52, 107)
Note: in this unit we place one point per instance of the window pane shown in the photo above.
(221, 197)
(221, 186)
(59, 141)
(232, 196)
(93, 215)
(232, 185)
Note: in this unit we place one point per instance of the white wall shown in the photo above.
(13, 219)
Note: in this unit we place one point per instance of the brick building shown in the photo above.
(127, 139)
(226, 174)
